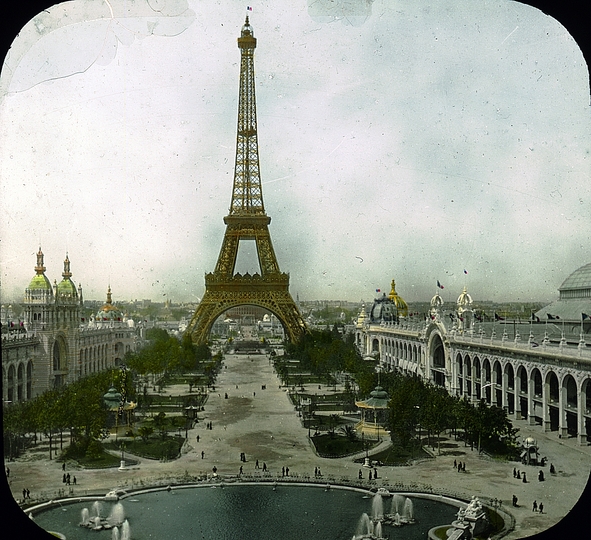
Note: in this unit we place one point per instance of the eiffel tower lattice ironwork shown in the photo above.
(246, 220)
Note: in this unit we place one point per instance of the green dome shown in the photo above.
(67, 288)
(40, 283)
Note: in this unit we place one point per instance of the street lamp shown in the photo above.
(122, 464)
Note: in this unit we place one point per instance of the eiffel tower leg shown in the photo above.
(202, 320)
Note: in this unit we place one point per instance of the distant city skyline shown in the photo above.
(428, 142)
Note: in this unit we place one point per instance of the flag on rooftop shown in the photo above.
(378, 290)
(465, 271)
(439, 285)
(248, 8)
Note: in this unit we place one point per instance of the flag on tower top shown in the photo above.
(465, 271)
(439, 285)
(378, 290)
(248, 8)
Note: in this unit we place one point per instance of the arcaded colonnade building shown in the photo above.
(539, 370)
(51, 344)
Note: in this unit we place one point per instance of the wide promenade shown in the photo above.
(258, 419)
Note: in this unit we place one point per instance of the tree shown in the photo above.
(160, 423)
(349, 432)
(436, 411)
(404, 408)
(145, 432)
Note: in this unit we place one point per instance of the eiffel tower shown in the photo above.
(246, 220)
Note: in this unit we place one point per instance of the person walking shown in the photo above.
(202, 454)
(535, 507)
(541, 508)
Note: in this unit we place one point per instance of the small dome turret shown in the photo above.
(109, 312)
(464, 300)
(362, 317)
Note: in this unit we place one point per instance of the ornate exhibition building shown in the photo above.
(51, 344)
(538, 368)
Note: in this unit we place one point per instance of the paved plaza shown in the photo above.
(258, 419)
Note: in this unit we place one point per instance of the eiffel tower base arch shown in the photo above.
(270, 293)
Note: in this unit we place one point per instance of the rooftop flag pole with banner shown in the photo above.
(439, 285)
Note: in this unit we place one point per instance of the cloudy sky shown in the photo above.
(406, 140)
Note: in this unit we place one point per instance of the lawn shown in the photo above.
(331, 445)
(398, 455)
(152, 448)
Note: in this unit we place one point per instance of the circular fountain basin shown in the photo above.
(257, 511)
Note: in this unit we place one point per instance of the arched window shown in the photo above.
(56, 356)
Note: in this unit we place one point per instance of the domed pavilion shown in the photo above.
(109, 314)
(374, 414)
(574, 300)
(388, 308)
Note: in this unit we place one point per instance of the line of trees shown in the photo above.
(416, 404)
(77, 408)
(323, 352)
(167, 354)
(413, 402)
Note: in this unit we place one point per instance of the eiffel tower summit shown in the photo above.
(246, 221)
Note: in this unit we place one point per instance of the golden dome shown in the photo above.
(400, 304)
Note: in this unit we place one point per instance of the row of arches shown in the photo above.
(17, 382)
(93, 359)
(556, 398)
(399, 354)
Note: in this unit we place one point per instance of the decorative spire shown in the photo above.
(40, 269)
(66, 273)
(247, 195)
(109, 299)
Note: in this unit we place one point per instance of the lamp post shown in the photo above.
(122, 464)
